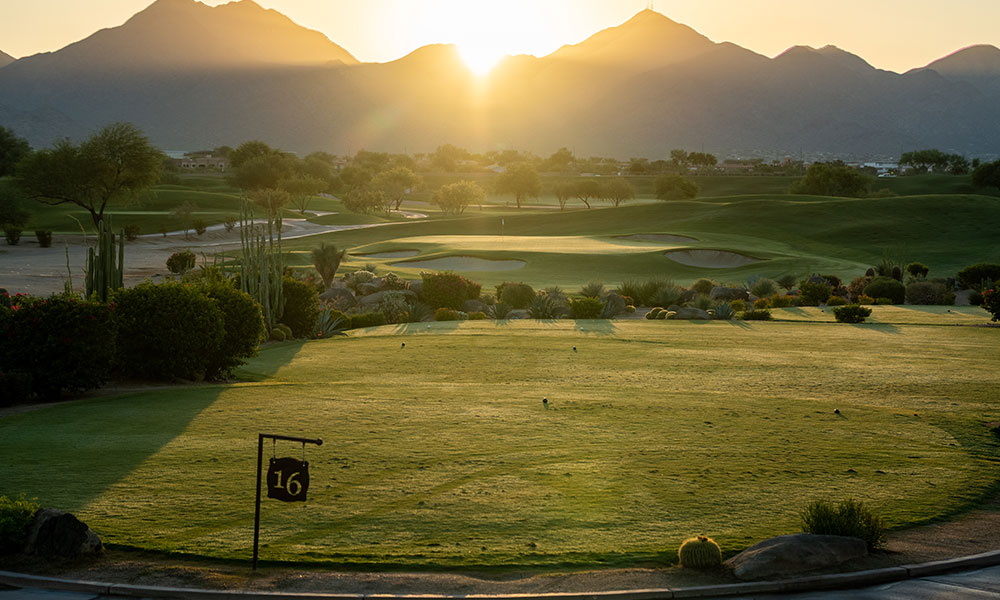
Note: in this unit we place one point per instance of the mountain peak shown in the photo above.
(5, 59)
(978, 60)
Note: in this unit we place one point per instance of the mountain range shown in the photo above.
(194, 76)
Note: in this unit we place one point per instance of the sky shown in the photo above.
(890, 34)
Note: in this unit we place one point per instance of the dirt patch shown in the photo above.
(659, 237)
(463, 263)
(710, 259)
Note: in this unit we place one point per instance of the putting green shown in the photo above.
(441, 453)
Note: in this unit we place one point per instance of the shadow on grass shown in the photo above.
(596, 326)
(68, 455)
(887, 328)
(417, 328)
(740, 324)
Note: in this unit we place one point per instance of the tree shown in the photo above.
(679, 158)
(113, 166)
(563, 191)
(302, 187)
(261, 171)
(559, 161)
(638, 166)
(455, 197)
(520, 180)
(675, 187)
(397, 183)
(12, 150)
(833, 179)
(702, 159)
(249, 150)
(922, 160)
(327, 260)
(587, 188)
(367, 200)
(446, 157)
(958, 164)
(987, 175)
(617, 191)
(12, 214)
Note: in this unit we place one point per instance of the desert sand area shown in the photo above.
(30, 269)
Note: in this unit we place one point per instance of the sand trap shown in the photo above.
(393, 254)
(463, 263)
(659, 237)
(710, 259)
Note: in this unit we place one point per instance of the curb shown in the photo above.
(801, 584)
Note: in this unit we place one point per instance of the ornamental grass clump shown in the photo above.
(849, 518)
(700, 552)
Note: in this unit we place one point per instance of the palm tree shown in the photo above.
(327, 259)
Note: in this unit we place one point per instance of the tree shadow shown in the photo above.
(70, 454)
(740, 324)
(886, 328)
(601, 327)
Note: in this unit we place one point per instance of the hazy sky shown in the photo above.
(891, 34)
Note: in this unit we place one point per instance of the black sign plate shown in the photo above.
(288, 479)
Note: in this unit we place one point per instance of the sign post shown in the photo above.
(287, 479)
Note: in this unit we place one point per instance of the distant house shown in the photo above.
(202, 163)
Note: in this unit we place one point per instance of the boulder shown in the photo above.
(687, 296)
(340, 296)
(54, 533)
(366, 289)
(794, 554)
(689, 313)
(373, 299)
(674, 307)
(728, 293)
(471, 306)
(416, 285)
(519, 313)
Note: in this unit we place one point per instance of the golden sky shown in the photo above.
(891, 34)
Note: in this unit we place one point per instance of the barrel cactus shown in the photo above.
(700, 553)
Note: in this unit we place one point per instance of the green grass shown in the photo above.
(441, 454)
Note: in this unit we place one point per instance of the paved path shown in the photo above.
(981, 584)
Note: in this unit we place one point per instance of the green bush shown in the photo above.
(548, 306)
(499, 311)
(59, 343)
(448, 290)
(393, 305)
(779, 301)
(884, 301)
(181, 262)
(917, 270)
(757, 315)
(699, 553)
(44, 238)
(835, 301)
(301, 307)
(370, 319)
(851, 313)
(518, 295)
(585, 308)
(13, 234)
(277, 335)
(594, 289)
(446, 314)
(866, 300)
(167, 331)
(991, 300)
(886, 287)
(477, 316)
(243, 324)
(132, 232)
(761, 304)
(925, 293)
(703, 286)
(975, 275)
(668, 294)
(285, 330)
(813, 293)
(739, 305)
(15, 518)
(850, 518)
(764, 287)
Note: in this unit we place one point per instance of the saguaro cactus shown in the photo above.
(104, 272)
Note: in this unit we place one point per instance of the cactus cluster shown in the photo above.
(104, 272)
(261, 267)
(700, 552)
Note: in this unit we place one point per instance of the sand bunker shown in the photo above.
(710, 259)
(659, 237)
(463, 263)
(393, 254)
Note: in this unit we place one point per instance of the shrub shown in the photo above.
(15, 519)
(851, 313)
(181, 262)
(448, 290)
(699, 553)
(301, 307)
(925, 293)
(331, 322)
(835, 301)
(862, 299)
(277, 335)
(477, 316)
(857, 286)
(229, 223)
(594, 289)
(886, 287)
(724, 312)
(757, 315)
(446, 314)
(132, 232)
(499, 311)
(991, 300)
(787, 281)
(518, 295)
(703, 286)
(15, 386)
(369, 319)
(975, 275)
(547, 306)
(44, 238)
(653, 313)
(702, 301)
(285, 329)
(12, 233)
(631, 289)
(199, 226)
(739, 305)
(975, 298)
(917, 270)
(813, 293)
(761, 303)
(884, 301)
(667, 294)
(850, 518)
(585, 308)
(764, 287)
(355, 279)
(243, 324)
(167, 331)
(779, 301)
(56, 344)
(393, 305)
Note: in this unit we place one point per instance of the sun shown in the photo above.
(479, 57)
